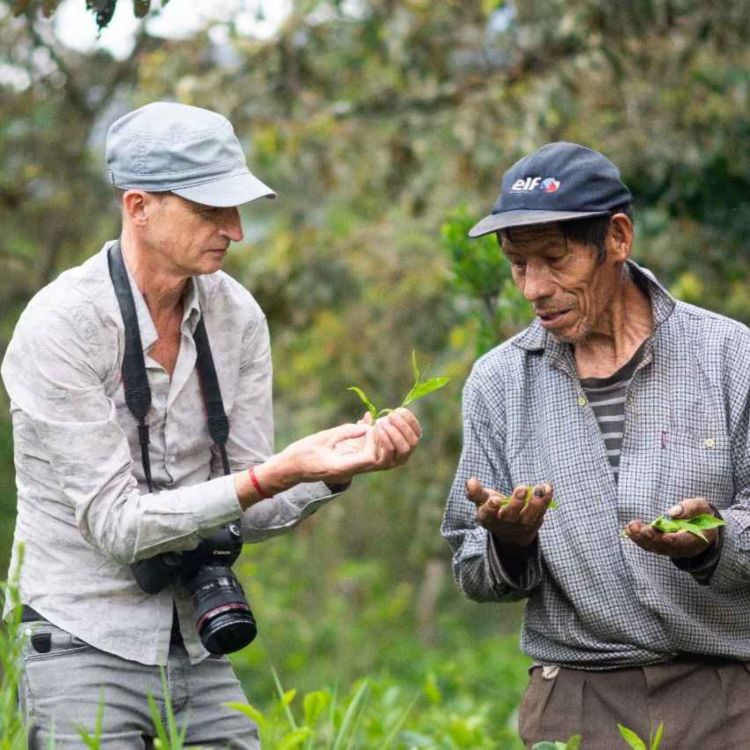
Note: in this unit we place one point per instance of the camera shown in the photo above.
(222, 615)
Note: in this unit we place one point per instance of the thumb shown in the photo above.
(366, 418)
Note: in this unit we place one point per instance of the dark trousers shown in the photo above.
(703, 706)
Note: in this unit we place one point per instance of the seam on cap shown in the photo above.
(167, 175)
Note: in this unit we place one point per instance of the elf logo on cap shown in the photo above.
(527, 184)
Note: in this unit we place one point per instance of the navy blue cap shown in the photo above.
(559, 182)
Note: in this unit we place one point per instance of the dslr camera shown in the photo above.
(222, 615)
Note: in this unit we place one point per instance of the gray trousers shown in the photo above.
(61, 691)
(704, 706)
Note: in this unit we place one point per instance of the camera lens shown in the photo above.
(222, 615)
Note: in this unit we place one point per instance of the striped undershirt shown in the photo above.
(607, 399)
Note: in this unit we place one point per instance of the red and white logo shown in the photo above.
(527, 184)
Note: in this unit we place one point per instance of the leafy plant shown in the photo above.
(505, 499)
(420, 389)
(12, 639)
(280, 729)
(169, 737)
(572, 744)
(695, 525)
(636, 743)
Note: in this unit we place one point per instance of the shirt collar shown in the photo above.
(535, 338)
(190, 316)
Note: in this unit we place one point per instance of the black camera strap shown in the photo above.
(135, 379)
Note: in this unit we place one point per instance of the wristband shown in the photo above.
(262, 494)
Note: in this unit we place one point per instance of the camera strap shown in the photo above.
(135, 379)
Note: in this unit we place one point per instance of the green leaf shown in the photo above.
(289, 696)
(352, 716)
(574, 743)
(314, 705)
(633, 740)
(706, 521)
(366, 401)
(694, 525)
(414, 366)
(655, 741)
(294, 739)
(423, 389)
(250, 711)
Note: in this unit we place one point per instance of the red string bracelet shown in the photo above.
(262, 494)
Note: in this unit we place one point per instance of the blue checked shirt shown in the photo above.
(595, 599)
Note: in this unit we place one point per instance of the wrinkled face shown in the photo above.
(186, 238)
(569, 288)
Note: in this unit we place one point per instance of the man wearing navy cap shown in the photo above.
(140, 387)
(623, 404)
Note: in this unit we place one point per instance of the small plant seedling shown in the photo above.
(420, 389)
(636, 743)
(505, 499)
(695, 525)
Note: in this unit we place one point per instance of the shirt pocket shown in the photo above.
(697, 463)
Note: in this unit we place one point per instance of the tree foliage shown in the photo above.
(385, 128)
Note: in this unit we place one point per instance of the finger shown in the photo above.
(404, 428)
(476, 492)
(366, 418)
(512, 510)
(396, 440)
(533, 513)
(410, 419)
(690, 507)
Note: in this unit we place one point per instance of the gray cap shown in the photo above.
(189, 151)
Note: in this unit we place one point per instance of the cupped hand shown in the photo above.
(512, 520)
(334, 455)
(674, 544)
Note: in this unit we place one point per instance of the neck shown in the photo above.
(161, 289)
(613, 341)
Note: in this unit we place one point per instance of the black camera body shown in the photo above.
(223, 617)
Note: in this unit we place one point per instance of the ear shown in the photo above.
(135, 204)
(619, 238)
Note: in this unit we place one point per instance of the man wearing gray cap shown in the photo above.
(140, 387)
(625, 405)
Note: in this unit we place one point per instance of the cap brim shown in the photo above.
(526, 217)
(226, 192)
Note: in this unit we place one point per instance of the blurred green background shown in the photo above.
(385, 127)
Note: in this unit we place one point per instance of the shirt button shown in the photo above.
(709, 443)
(582, 401)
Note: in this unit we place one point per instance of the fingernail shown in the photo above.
(675, 510)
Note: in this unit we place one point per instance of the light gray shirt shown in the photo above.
(84, 510)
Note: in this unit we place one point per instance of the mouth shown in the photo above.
(551, 318)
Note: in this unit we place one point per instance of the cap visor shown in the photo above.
(229, 191)
(526, 217)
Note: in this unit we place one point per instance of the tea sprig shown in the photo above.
(695, 525)
(420, 389)
(505, 499)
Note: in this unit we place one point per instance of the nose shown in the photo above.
(231, 225)
(537, 281)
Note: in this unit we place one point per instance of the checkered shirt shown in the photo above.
(595, 599)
